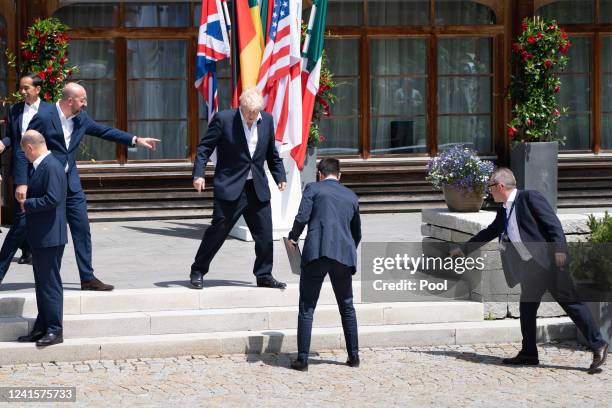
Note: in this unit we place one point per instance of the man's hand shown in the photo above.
(282, 185)
(457, 253)
(292, 243)
(560, 258)
(2, 147)
(21, 192)
(198, 184)
(148, 142)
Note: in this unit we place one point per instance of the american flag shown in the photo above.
(213, 46)
(279, 75)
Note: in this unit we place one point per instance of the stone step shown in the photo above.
(245, 319)
(275, 341)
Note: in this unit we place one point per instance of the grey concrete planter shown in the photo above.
(535, 168)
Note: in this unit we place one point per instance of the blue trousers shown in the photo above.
(47, 263)
(76, 215)
(311, 281)
(258, 217)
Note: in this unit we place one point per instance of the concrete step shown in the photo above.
(274, 341)
(245, 319)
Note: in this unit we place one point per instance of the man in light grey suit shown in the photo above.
(334, 231)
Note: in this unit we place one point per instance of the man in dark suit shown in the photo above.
(244, 140)
(334, 232)
(534, 253)
(19, 119)
(64, 125)
(45, 209)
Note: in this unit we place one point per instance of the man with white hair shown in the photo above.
(64, 125)
(244, 140)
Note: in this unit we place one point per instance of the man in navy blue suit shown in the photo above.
(244, 140)
(334, 232)
(534, 253)
(45, 213)
(64, 125)
(19, 119)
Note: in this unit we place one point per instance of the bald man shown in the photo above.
(64, 125)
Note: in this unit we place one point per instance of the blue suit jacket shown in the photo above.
(45, 205)
(539, 228)
(234, 161)
(334, 226)
(47, 122)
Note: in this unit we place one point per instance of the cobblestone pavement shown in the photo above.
(441, 376)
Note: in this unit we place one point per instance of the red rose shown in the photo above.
(512, 131)
(564, 34)
(42, 75)
(548, 63)
(529, 122)
(557, 88)
(531, 39)
(62, 61)
(556, 112)
(50, 69)
(540, 36)
(52, 79)
(524, 25)
(69, 73)
(516, 47)
(47, 96)
(552, 27)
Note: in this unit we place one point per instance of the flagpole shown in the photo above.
(313, 13)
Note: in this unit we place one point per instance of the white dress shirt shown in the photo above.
(37, 162)
(67, 128)
(251, 137)
(513, 230)
(28, 113)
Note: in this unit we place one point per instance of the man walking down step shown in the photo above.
(244, 140)
(334, 231)
(534, 254)
(46, 231)
(64, 125)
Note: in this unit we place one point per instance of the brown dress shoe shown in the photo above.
(96, 284)
(599, 359)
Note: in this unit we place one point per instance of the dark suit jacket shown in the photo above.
(45, 205)
(334, 226)
(538, 225)
(47, 122)
(13, 131)
(234, 161)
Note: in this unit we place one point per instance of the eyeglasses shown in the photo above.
(492, 185)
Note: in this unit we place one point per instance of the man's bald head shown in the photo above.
(33, 145)
(74, 98)
(32, 136)
(72, 90)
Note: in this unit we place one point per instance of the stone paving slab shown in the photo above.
(441, 376)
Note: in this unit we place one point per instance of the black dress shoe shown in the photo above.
(96, 284)
(299, 365)
(268, 281)
(521, 359)
(49, 339)
(26, 258)
(353, 361)
(197, 279)
(599, 359)
(30, 338)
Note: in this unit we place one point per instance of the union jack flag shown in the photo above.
(213, 46)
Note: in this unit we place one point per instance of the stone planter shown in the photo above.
(535, 168)
(309, 172)
(462, 201)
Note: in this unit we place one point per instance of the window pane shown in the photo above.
(606, 94)
(606, 54)
(403, 12)
(95, 58)
(157, 99)
(605, 11)
(156, 58)
(464, 95)
(342, 56)
(341, 137)
(460, 12)
(399, 95)
(473, 131)
(464, 56)
(606, 132)
(576, 96)
(569, 11)
(576, 130)
(3, 62)
(93, 148)
(173, 135)
(100, 99)
(89, 15)
(398, 56)
(157, 15)
(343, 12)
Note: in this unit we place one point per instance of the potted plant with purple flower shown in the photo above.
(462, 176)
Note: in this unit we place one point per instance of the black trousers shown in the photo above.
(311, 281)
(47, 263)
(15, 238)
(258, 217)
(534, 284)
